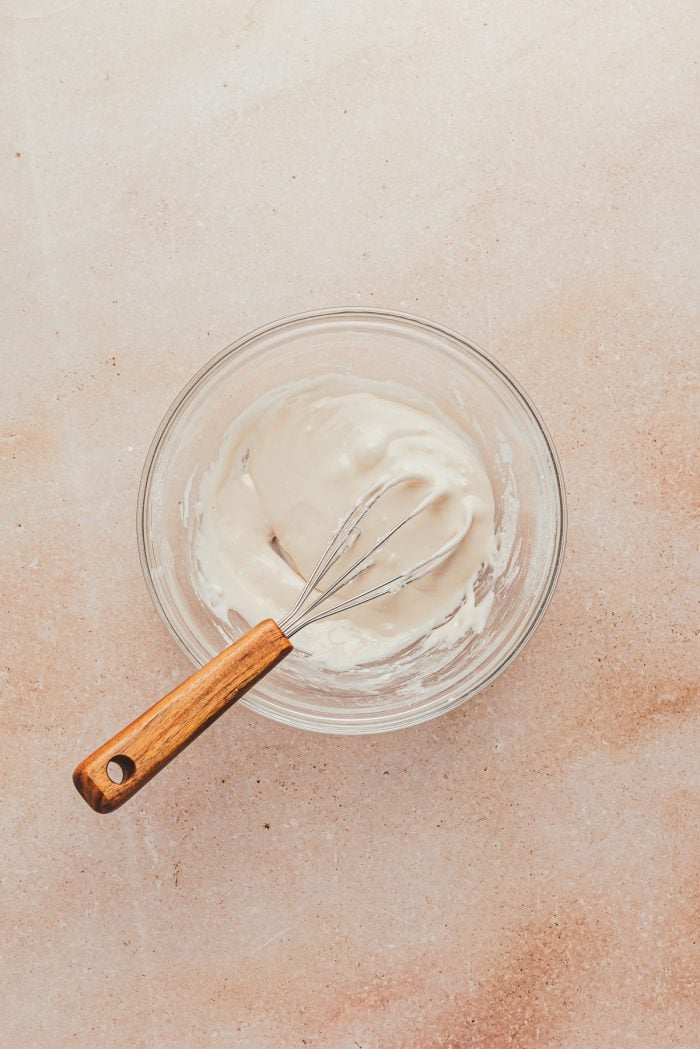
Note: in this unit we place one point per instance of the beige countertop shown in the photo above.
(519, 872)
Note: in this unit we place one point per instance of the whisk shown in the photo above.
(120, 767)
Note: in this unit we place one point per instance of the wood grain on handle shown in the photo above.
(153, 739)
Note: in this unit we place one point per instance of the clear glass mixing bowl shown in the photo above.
(466, 385)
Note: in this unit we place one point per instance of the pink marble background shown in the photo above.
(520, 873)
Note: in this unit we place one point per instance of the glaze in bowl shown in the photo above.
(468, 387)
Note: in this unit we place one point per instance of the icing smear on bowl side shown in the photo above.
(291, 467)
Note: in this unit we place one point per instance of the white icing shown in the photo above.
(289, 469)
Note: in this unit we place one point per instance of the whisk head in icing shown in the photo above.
(318, 590)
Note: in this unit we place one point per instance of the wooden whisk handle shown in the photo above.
(144, 747)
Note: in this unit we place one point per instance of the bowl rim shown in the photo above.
(362, 724)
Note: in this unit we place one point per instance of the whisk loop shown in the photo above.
(308, 609)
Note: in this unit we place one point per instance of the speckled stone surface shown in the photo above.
(520, 872)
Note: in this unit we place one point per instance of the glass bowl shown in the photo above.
(467, 386)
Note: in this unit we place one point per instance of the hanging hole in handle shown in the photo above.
(120, 768)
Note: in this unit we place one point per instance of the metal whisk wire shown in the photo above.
(346, 535)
